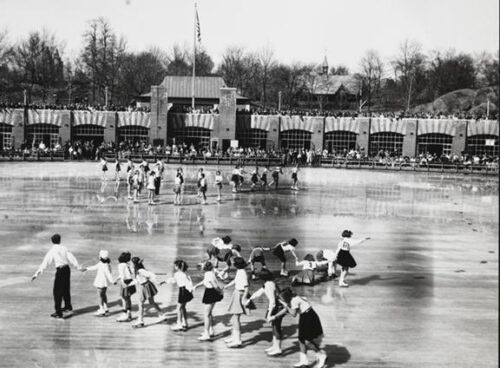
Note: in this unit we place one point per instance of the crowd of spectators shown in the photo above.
(73, 106)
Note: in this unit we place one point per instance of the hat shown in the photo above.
(103, 254)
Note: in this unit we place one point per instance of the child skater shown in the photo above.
(185, 286)
(263, 179)
(125, 277)
(213, 294)
(271, 290)
(295, 179)
(178, 181)
(307, 276)
(236, 306)
(130, 165)
(203, 188)
(104, 168)
(257, 259)
(343, 255)
(198, 181)
(102, 280)
(241, 178)
(130, 183)
(280, 250)
(147, 290)
(151, 187)
(117, 170)
(276, 176)
(218, 185)
(310, 329)
(328, 255)
(136, 185)
(254, 179)
(235, 179)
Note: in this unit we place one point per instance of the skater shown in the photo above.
(141, 177)
(130, 165)
(310, 329)
(280, 250)
(308, 276)
(104, 168)
(178, 182)
(236, 305)
(198, 181)
(159, 168)
(125, 277)
(328, 255)
(62, 258)
(145, 280)
(263, 179)
(117, 170)
(241, 178)
(275, 175)
(271, 290)
(102, 280)
(136, 184)
(151, 188)
(235, 179)
(185, 286)
(343, 255)
(254, 179)
(213, 294)
(257, 260)
(203, 188)
(295, 179)
(218, 185)
(130, 183)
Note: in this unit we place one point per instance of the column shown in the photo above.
(65, 128)
(317, 134)
(18, 124)
(225, 128)
(110, 128)
(158, 115)
(459, 140)
(410, 138)
(363, 138)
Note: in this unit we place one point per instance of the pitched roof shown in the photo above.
(330, 85)
(204, 87)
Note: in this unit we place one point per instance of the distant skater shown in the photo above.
(280, 250)
(263, 179)
(257, 260)
(117, 170)
(203, 189)
(254, 179)
(235, 179)
(218, 185)
(275, 176)
(104, 168)
(295, 177)
(178, 183)
(62, 258)
(343, 255)
(151, 187)
(102, 281)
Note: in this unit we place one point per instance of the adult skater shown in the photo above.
(62, 258)
(343, 255)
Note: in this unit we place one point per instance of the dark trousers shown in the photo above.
(157, 186)
(62, 289)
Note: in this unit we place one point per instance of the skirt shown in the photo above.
(304, 277)
(235, 178)
(345, 259)
(177, 189)
(104, 168)
(148, 291)
(184, 295)
(236, 304)
(263, 178)
(126, 292)
(279, 253)
(309, 326)
(258, 259)
(219, 185)
(255, 179)
(212, 295)
(294, 176)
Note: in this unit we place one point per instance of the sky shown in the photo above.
(297, 31)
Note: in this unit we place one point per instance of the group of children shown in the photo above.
(142, 176)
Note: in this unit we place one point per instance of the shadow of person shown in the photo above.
(336, 355)
(92, 308)
(267, 334)
(364, 280)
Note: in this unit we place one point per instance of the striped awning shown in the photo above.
(440, 126)
(136, 118)
(482, 127)
(181, 121)
(11, 116)
(89, 118)
(346, 124)
(296, 122)
(51, 117)
(261, 122)
(380, 125)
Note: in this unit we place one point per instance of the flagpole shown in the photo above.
(194, 58)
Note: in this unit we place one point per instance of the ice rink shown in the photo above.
(424, 293)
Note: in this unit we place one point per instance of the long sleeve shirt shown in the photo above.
(103, 277)
(347, 243)
(124, 272)
(60, 256)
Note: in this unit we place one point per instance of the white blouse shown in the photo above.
(209, 280)
(240, 280)
(181, 279)
(144, 276)
(347, 243)
(308, 265)
(124, 272)
(103, 277)
(300, 303)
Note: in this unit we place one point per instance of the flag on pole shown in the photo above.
(198, 30)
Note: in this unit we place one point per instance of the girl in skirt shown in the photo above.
(216, 246)
(236, 305)
(198, 182)
(218, 185)
(213, 294)
(185, 286)
(136, 185)
(310, 329)
(241, 178)
(254, 179)
(271, 290)
(102, 280)
(151, 188)
(203, 188)
(130, 183)
(295, 179)
(141, 177)
(257, 260)
(280, 250)
(178, 182)
(307, 276)
(125, 278)
(117, 170)
(159, 168)
(263, 179)
(130, 165)
(235, 179)
(343, 255)
(104, 167)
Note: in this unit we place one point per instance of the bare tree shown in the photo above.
(265, 57)
(372, 69)
(407, 63)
